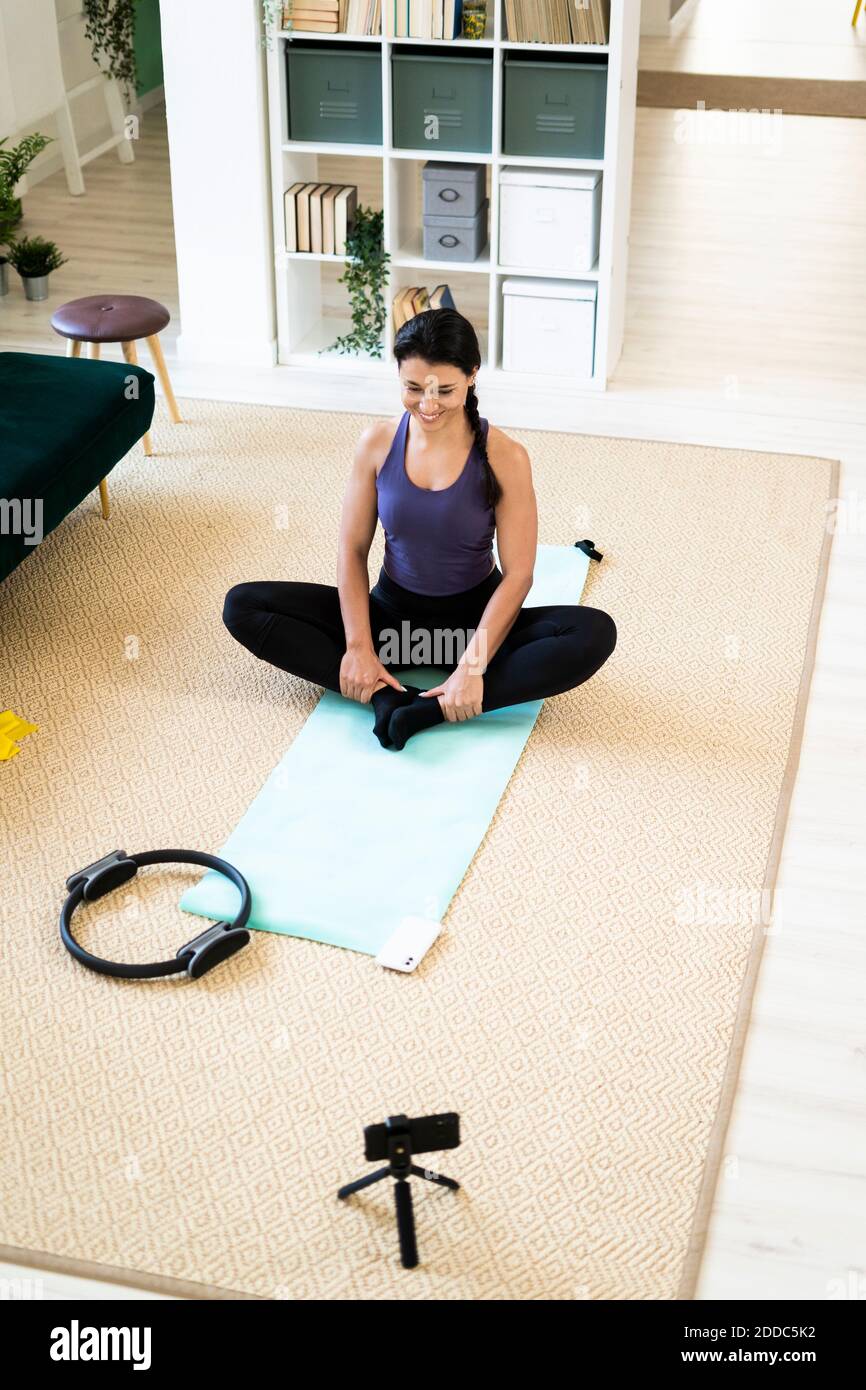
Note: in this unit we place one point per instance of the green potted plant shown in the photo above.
(34, 258)
(14, 163)
(366, 276)
(110, 27)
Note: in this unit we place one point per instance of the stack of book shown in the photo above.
(414, 300)
(333, 16)
(558, 21)
(423, 19)
(319, 216)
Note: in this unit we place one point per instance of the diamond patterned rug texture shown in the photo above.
(585, 1007)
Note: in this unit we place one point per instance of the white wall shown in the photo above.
(216, 111)
(89, 112)
(656, 15)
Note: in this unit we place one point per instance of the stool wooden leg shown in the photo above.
(73, 347)
(103, 486)
(857, 11)
(159, 362)
(131, 356)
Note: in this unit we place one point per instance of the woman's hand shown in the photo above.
(460, 696)
(361, 672)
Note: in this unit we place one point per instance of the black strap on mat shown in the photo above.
(588, 548)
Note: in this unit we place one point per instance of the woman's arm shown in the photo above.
(460, 697)
(361, 672)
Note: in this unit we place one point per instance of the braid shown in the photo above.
(491, 482)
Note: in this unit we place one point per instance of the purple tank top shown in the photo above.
(435, 542)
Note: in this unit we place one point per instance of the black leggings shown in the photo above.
(299, 628)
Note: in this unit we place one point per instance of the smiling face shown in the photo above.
(433, 392)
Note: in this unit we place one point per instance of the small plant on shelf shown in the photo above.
(366, 276)
(109, 26)
(276, 17)
(34, 258)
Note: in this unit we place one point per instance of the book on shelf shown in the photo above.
(558, 21)
(319, 216)
(329, 218)
(316, 216)
(442, 298)
(409, 302)
(596, 21)
(332, 16)
(397, 314)
(363, 17)
(316, 16)
(414, 299)
(422, 19)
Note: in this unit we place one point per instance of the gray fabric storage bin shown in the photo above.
(554, 108)
(452, 189)
(457, 90)
(450, 238)
(334, 93)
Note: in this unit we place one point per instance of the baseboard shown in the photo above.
(146, 102)
(656, 20)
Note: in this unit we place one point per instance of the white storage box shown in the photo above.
(549, 326)
(549, 218)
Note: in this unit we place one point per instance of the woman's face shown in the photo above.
(434, 393)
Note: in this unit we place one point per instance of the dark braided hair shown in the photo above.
(443, 335)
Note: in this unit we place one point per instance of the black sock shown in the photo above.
(423, 713)
(385, 702)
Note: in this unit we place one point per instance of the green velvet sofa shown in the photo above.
(64, 423)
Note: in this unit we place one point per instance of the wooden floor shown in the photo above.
(118, 238)
(747, 272)
(762, 38)
(746, 326)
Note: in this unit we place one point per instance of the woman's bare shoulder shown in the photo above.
(375, 440)
(504, 452)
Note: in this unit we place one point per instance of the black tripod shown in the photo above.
(401, 1168)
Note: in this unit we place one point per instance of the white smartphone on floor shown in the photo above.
(407, 946)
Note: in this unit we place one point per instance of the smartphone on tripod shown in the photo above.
(397, 1141)
(426, 1134)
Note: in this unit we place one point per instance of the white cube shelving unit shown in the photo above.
(312, 308)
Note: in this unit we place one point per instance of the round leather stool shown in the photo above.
(117, 318)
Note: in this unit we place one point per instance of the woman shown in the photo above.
(439, 592)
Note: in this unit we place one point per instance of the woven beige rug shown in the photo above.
(584, 1010)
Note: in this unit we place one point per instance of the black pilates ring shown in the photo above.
(195, 957)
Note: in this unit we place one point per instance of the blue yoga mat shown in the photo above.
(310, 845)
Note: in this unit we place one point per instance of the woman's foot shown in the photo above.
(385, 702)
(424, 712)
